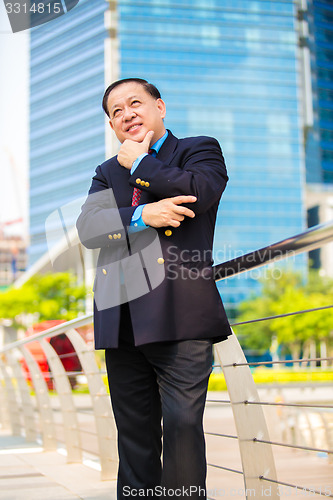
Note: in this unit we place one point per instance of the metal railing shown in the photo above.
(19, 407)
(258, 462)
(311, 239)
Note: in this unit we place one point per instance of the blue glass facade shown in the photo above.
(319, 147)
(229, 68)
(66, 123)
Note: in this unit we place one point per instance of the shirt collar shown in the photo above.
(158, 144)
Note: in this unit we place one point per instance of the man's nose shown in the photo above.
(128, 114)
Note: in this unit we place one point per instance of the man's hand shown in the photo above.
(167, 212)
(130, 150)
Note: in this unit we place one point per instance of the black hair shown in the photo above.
(149, 88)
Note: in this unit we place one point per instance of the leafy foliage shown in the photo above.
(284, 295)
(43, 297)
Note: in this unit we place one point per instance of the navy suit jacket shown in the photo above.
(165, 274)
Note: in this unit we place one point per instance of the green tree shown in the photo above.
(287, 294)
(43, 297)
(258, 335)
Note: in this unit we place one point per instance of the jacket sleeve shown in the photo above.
(202, 173)
(101, 223)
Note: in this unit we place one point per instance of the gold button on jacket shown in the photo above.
(168, 232)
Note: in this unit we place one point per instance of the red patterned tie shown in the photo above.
(137, 192)
(136, 197)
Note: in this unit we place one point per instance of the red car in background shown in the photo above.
(63, 347)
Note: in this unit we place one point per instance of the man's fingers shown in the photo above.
(184, 211)
(147, 140)
(183, 199)
(167, 212)
(178, 217)
(174, 223)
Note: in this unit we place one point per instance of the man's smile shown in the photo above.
(133, 127)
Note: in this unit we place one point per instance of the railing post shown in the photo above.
(311, 432)
(26, 401)
(105, 425)
(12, 403)
(44, 402)
(257, 458)
(68, 410)
(327, 419)
(4, 416)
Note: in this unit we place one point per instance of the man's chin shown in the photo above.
(138, 136)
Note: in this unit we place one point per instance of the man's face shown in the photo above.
(133, 112)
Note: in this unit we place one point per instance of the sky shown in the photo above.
(14, 92)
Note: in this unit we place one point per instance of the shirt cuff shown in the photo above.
(137, 223)
(137, 161)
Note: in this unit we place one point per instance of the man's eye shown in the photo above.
(135, 102)
(116, 112)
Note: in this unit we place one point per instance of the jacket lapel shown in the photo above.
(168, 148)
(165, 154)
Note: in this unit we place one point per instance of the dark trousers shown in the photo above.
(165, 380)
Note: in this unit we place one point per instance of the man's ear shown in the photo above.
(111, 124)
(161, 106)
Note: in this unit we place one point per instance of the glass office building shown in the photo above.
(319, 144)
(229, 69)
(66, 122)
(226, 68)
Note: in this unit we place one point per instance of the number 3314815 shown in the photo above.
(35, 8)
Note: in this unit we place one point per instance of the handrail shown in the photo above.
(50, 332)
(310, 239)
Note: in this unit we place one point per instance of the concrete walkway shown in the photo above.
(28, 473)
